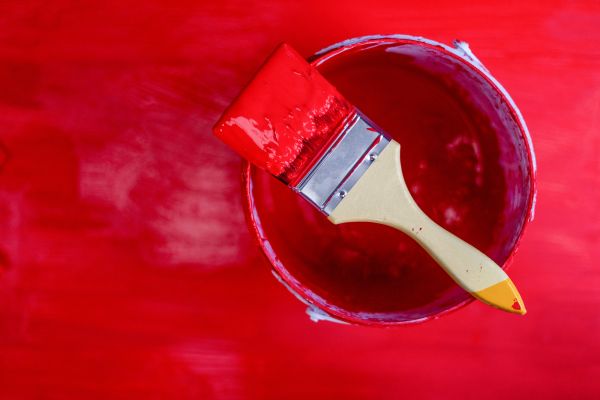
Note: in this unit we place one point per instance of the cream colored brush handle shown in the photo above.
(381, 196)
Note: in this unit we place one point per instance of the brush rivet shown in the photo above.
(372, 157)
(342, 193)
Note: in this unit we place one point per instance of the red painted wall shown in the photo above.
(126, 270)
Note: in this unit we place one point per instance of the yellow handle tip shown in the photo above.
(503, 295)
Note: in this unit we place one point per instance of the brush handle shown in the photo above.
(381, 196)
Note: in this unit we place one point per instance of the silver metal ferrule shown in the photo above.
(342, 165)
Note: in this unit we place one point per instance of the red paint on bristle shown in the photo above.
(285, 117)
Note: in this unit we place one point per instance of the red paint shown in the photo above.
(284, 117)
(127, 271)
(516, 305)
(464, 158)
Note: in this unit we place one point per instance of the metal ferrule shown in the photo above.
(342, 165)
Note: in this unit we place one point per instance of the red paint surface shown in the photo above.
(464, 159)
(124, 269)
(284, 117)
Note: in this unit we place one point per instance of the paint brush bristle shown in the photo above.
(285, 117)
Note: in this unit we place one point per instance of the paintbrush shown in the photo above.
(291, 122)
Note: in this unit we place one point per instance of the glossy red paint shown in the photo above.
(465, 158)
(124, 268)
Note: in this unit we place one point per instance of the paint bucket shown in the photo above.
(467, 158)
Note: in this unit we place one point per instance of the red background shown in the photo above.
(126, 269)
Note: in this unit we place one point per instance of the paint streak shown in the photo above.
(128, 271)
